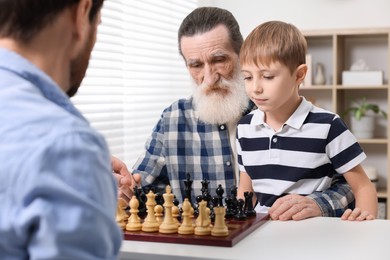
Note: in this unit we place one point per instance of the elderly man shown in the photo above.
(196, 136)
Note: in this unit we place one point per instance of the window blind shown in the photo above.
(135, 72)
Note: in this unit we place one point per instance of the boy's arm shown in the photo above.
(365, 194)
(244, 185)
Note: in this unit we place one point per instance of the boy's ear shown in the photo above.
(301, 73)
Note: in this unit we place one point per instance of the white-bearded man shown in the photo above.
(196, 136)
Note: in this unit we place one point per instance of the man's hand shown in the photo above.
(295, 207)
(126, 181)
(357, 214)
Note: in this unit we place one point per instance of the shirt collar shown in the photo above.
(296, 120)
(19, 65)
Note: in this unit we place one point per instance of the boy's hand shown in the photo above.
(357, 214)
(294, 207)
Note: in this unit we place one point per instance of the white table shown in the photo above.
(314, 239)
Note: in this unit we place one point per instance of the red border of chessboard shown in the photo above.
(237, 231)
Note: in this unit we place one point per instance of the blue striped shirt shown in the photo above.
(57, 192)
(302, 157)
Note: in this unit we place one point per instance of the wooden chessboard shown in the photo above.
(237, 231)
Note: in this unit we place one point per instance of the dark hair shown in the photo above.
(22, 19)
(204, 19)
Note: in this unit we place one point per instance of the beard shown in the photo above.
(79, 65)
(223, 102)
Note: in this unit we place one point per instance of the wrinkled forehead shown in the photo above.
(215, 42)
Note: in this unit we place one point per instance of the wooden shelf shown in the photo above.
(337, 50)
(382, 194)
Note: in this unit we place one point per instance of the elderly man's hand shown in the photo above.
(126, 181)
(295, 207)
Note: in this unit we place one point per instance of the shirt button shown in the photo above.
(228, 163)
(222, 127)
(275, 139)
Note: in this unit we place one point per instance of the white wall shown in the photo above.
(308, 14)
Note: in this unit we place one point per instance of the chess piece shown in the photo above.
(158, 213)
(220, 192)
(233, 196)
(240, 215)
(229, 208)
(205, 191)
(134, 222)
(175, 214)
(202, 223)
(219, 229)
(249, 210)
(150, 223)
(186, 227)
(159, 199)
(199, 198)
(188, 189)
(140, 195)
(168, 226)
(121, 215)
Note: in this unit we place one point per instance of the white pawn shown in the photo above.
(158, 212)
(121, 215)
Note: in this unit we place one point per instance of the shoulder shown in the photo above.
(320, 115)
(247, 119)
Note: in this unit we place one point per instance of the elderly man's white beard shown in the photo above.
(218, 107)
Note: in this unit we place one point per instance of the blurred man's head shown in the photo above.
(209, 41)
(23, 21)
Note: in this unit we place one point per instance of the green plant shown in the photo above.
(361, 107)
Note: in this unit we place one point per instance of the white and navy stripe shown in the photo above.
(301, 157)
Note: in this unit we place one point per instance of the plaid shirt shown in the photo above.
(181, 144)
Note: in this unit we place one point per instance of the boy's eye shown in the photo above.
(268, 77)
(247, 77)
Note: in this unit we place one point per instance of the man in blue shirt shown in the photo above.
(196, 136)
(57, 192)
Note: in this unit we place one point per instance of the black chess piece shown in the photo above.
(249, 210)
(205, 192)
(233, 196)
(220, 192)
(188, 189)
(205, 185)
(199, 198)
(229, 208)
(240, 215)
(159, 199)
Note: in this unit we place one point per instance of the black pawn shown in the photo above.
(220, 192)
(249, 210)
(240, 214)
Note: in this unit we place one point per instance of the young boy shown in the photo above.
(288, 145)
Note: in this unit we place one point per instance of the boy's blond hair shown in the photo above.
(274, 41)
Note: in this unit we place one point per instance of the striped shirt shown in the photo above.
(300, 158)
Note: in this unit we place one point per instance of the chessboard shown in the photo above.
(238, 229)
(158, 218)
